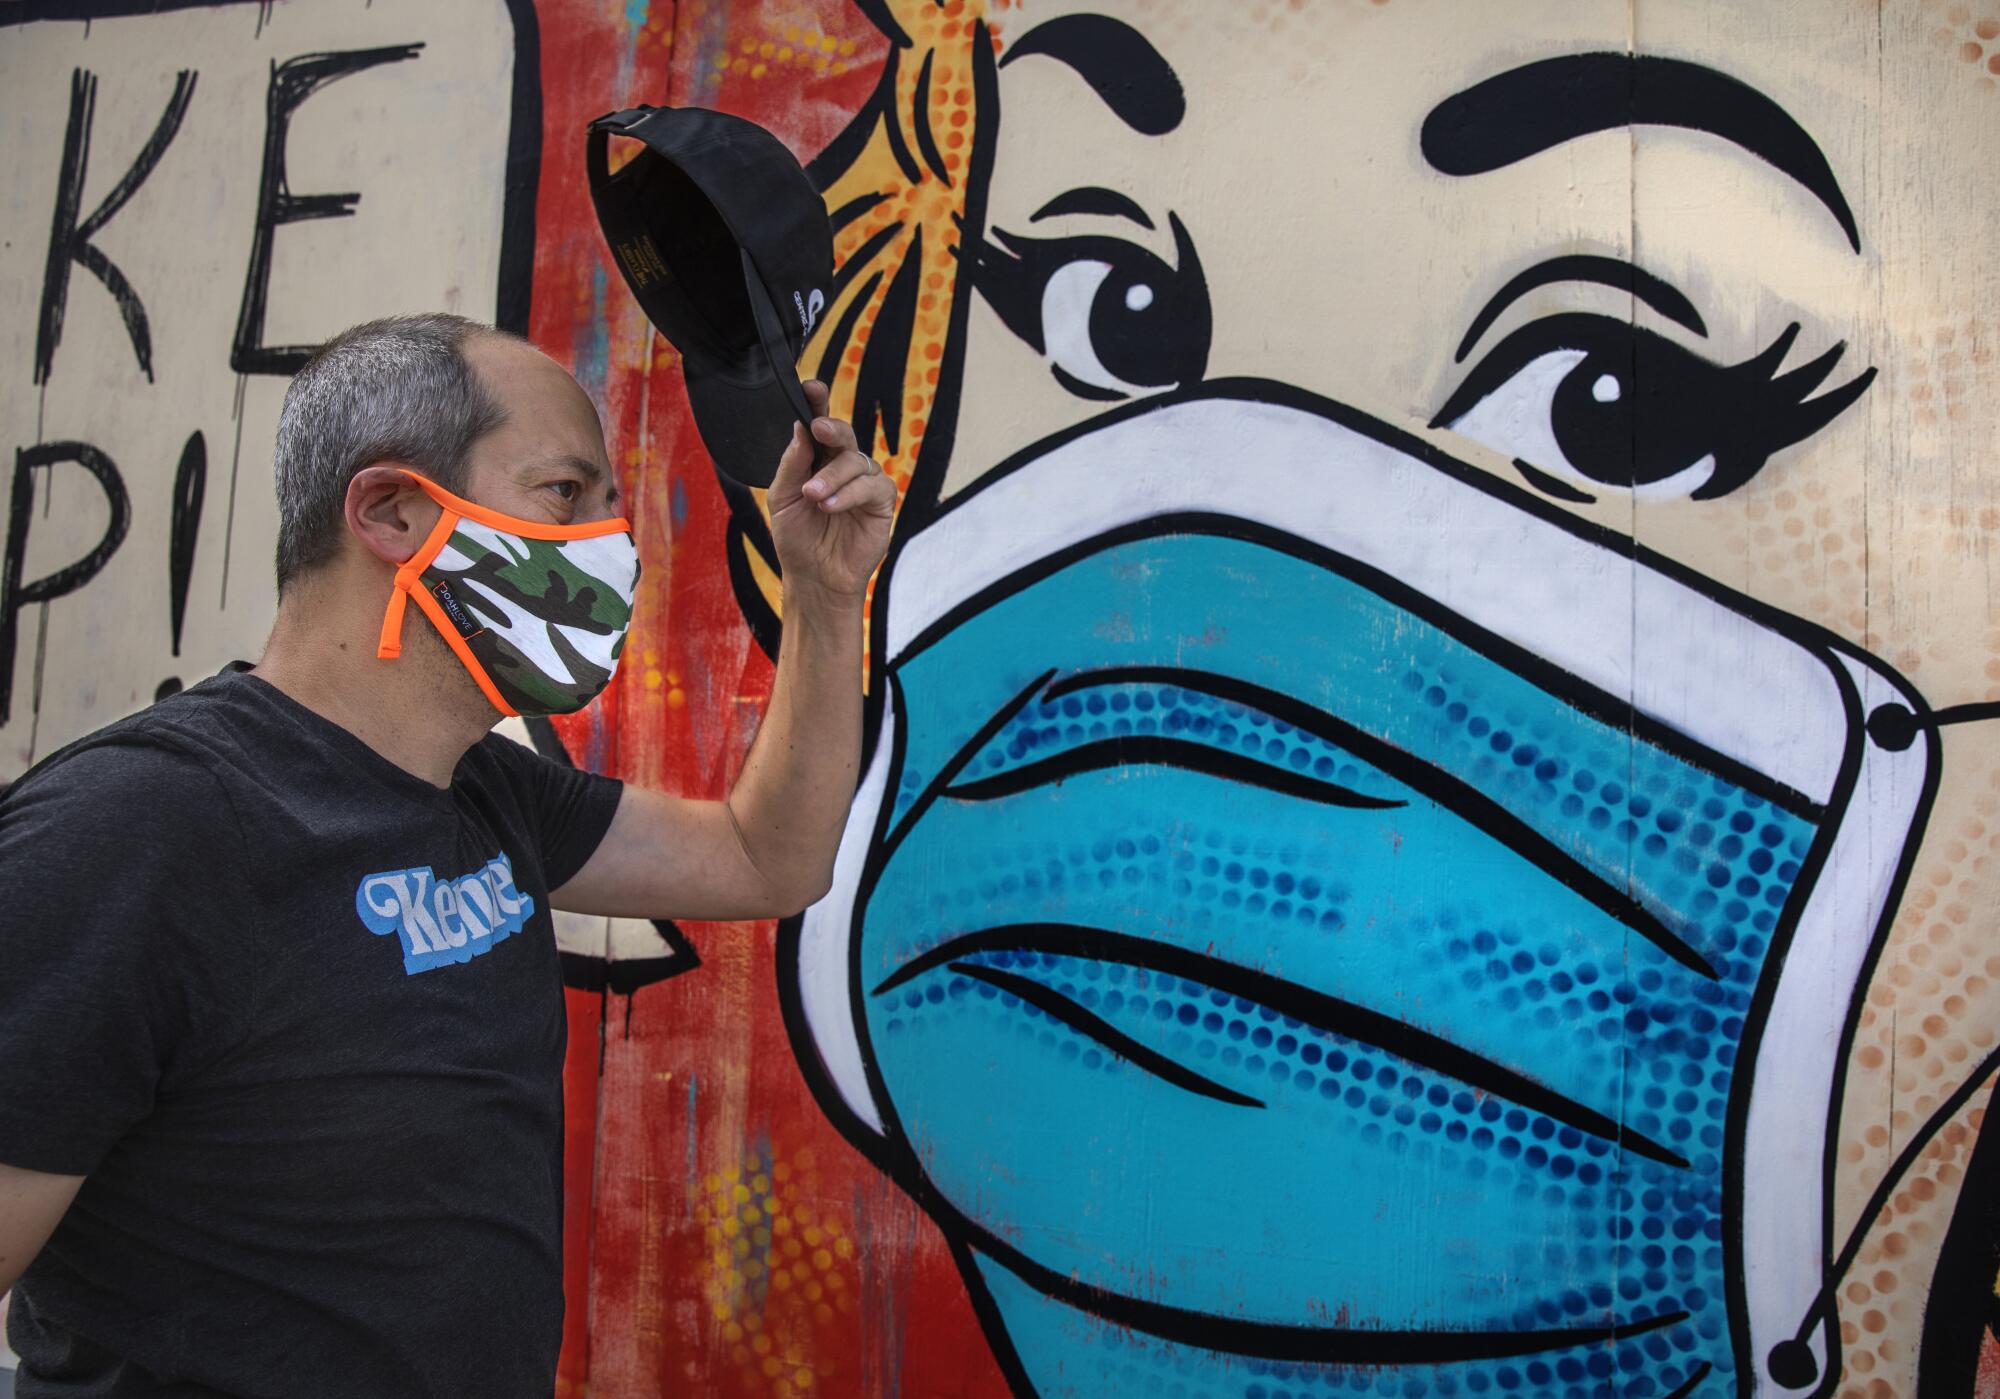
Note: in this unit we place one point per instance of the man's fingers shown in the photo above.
(818, 396)
(794, 465)
(836, 474)
(834, 434)
(873, 493)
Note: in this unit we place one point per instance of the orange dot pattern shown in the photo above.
(1808, 545)
(1971, 39)
(923, 213)
(785, 50)
(922, 217)
(779, 1275)
(1883, 1296)
(1944, 368)
(1930, 1015)
(656, 34)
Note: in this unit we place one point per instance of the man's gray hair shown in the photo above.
(398, 390)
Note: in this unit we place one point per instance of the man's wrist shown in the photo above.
(812, 603)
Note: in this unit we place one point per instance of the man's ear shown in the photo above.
(389, 513)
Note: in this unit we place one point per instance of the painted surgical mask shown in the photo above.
(1240, 850)
(537, 613)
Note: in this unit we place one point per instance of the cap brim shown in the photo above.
(771, 333)
(746, 419)
(745, 396)
(745, 426)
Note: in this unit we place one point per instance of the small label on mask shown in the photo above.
(460, 618)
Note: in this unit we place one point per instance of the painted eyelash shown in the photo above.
(1750, 411)
(1791, 416)
(1012, 268)
(1157, 343)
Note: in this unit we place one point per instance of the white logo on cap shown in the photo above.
(809, 309)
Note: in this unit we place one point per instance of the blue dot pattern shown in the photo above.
(1364, 1188)
(1684, 844)
(1071, 1355)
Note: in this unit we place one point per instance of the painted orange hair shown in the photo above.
(904, 185)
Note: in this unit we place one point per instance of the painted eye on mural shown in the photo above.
(1584, 401)
(1114, 320)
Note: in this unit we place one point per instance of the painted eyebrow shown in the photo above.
(1527, 110)
(1120, 64)
(1609, 271)
(1092, 199)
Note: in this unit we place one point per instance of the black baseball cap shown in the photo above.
(726, 245)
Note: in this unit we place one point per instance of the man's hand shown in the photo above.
(831, 527)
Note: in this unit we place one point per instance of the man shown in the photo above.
(280, 1021)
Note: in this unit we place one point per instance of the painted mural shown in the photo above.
(1429, 826)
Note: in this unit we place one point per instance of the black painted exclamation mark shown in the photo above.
(190, 482)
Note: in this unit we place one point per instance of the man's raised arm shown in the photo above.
(767, 850)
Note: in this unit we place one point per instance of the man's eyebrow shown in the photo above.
(588, 469)
(1120, 64)
(1610, 271)
(1530, 109)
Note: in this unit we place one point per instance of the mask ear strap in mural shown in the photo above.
(1895, 726)
(1792, 1363)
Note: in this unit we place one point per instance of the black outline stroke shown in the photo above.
(515, 291)
(1960, 1310)
(1538, 106)
(1093, 200)
(1613, 272)
(1077, 1017)
(1120, 64)
(84, 11)
(1693, 1381)
(1309, 1345)
(1316, 1010)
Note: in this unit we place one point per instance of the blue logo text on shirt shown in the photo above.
(444, 920)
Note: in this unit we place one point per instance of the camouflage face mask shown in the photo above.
(536, 612)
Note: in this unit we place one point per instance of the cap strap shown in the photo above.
(596, 155)
(409, 578)
(390, 645)
(623, 120)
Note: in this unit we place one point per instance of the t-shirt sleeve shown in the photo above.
(568, 808)
(113, 858)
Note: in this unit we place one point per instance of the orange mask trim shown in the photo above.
(409, 576)
(512, 524)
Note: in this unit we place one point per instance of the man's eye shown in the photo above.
(568, 490)
(1591, 401)
(1114, 320)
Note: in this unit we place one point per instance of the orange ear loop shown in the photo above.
(408, 581)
